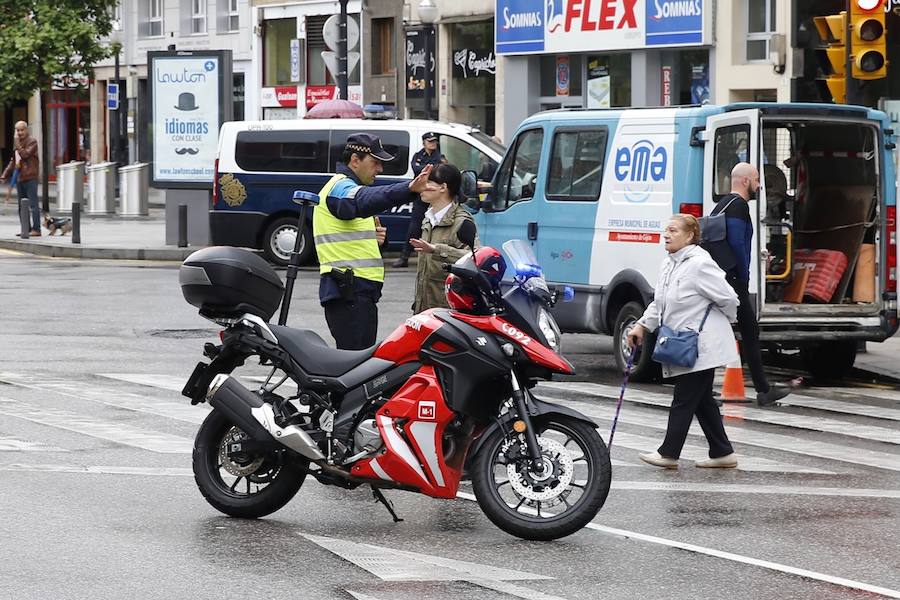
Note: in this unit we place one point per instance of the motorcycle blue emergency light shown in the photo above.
(524, 271)
(568, 293)
(302, 197)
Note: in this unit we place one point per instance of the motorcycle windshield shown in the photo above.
(524, 264)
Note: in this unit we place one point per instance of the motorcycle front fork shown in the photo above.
(520, 403)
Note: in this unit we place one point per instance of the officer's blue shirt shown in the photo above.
(350, 199)
(421, 158)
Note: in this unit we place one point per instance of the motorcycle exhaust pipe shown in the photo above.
(256, 418)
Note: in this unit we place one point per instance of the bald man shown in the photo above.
(744, 187)
(25, 159)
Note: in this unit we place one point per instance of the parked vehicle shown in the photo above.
(260, 164)
(445, 387)
(592, 190)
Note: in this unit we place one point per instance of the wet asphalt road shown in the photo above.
(88, 511)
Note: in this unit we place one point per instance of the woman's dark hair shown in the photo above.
(446, 173)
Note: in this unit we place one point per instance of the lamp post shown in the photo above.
(115, 120)
(342, 52)
(428, 14)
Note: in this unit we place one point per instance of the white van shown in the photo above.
(260, 164)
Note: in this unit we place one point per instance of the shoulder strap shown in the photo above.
(703, 322)
(716, 210)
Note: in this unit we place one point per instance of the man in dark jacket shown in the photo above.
(347, 237)
(745, 186)
(25, 159)
(430, 154)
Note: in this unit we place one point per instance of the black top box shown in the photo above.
(223, 281)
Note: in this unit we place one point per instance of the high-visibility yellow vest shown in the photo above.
(342, 244)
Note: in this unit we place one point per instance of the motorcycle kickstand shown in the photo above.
(387, 503)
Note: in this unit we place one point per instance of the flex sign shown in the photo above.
(543, 26)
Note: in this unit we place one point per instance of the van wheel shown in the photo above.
(644, 368)
(829, 360)
(279, 238)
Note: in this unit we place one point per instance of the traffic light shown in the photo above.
(868, 42)
(831, 30)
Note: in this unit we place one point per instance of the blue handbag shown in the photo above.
(678, 348)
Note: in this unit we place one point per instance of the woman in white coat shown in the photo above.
(690, 282)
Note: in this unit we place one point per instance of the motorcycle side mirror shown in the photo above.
(466, 234)
(305, 198)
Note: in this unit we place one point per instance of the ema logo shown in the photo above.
(518, 20)
(427, 410)
(639, 167)
(676, 8)
(553, 13)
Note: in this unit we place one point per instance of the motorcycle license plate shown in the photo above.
(191, 385)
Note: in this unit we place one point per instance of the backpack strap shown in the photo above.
(703, 322)
(724, 208)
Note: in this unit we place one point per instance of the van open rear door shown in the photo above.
(730, 138)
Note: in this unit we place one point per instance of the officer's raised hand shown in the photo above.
(418, 184)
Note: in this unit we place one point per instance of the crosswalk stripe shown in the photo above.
(746, 413)
(863, 393)
(100, 469)
(697, 453)
(114, 432)
(172, 383)
(774, 441)
(14, 444)
(839, 406)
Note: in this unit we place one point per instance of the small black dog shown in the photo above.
(61, 224)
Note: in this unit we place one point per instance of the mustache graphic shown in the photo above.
(187, 151)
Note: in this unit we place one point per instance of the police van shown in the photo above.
(593, 189)
(260, 164)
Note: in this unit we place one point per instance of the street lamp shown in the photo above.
(115, 121)
(428, 14)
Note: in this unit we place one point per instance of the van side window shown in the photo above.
(731, 147)
(518, 173)
(394, 141)
(467, 157)
(576, 165)
(304, 151)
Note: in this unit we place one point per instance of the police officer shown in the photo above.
(347, 239)
(430, 154)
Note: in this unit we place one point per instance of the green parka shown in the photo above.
(430, 275)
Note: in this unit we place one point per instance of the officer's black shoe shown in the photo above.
(774, 394)
(401, 262)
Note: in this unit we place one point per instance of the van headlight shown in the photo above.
(547, 325)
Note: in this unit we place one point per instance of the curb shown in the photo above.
(93, 252)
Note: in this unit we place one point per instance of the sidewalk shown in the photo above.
(881, 358)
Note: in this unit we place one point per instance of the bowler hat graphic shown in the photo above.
(186, 101)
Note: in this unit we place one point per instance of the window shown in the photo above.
(117, 17)
(283, 151)
(383, 47)
(277, 38)
(152, 25)
(732, 146)
(576, 165)
(394, 141)
(233, 16)
(518, 173)
(198, 16)
(760, 27)
(467, 157)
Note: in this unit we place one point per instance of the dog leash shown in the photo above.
(622, 394)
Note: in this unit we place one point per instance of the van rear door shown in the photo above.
(733, 137)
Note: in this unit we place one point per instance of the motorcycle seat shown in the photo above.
(315, 355)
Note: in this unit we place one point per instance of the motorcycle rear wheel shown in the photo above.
(557, 501)
(245, 485)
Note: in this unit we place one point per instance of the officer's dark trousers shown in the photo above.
(354, 325)
(415, 225)
(693, 396)
(749, 329)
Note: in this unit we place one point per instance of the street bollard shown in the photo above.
(182, 226)
(24, 217)
(76, 222)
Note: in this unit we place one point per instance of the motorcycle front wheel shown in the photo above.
(241, 484)
(551, 500)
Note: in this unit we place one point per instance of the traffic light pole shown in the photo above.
(342, 52)
(852, 86)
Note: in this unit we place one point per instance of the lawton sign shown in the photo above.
(190, 97)
(474, 62)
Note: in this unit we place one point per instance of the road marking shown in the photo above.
(891, 394)
(736, 488)
(99, 470)
(114, 432)
(765, 564)
(360, 595)
(14, 444)
(389, 564)
(749, 413)
(166, 382)
(773, 441)
(839, 406)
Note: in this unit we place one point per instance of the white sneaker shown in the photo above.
(658, 460)
(728, 461)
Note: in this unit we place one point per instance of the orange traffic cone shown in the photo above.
(733, 385)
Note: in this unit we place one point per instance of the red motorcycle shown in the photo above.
(447, 391)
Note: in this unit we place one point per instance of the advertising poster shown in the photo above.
(188, 93)
(699, 84)
(562, 75)
(415, 64)
(598, 85)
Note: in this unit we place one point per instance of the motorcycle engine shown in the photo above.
(367, 437)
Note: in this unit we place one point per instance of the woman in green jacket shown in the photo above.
(439, 243)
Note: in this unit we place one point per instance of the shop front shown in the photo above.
(615, 53)
(473, 70)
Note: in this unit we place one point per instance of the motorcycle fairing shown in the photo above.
(412, 424)
(405, 341)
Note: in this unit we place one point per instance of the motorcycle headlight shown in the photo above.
(547, 325)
